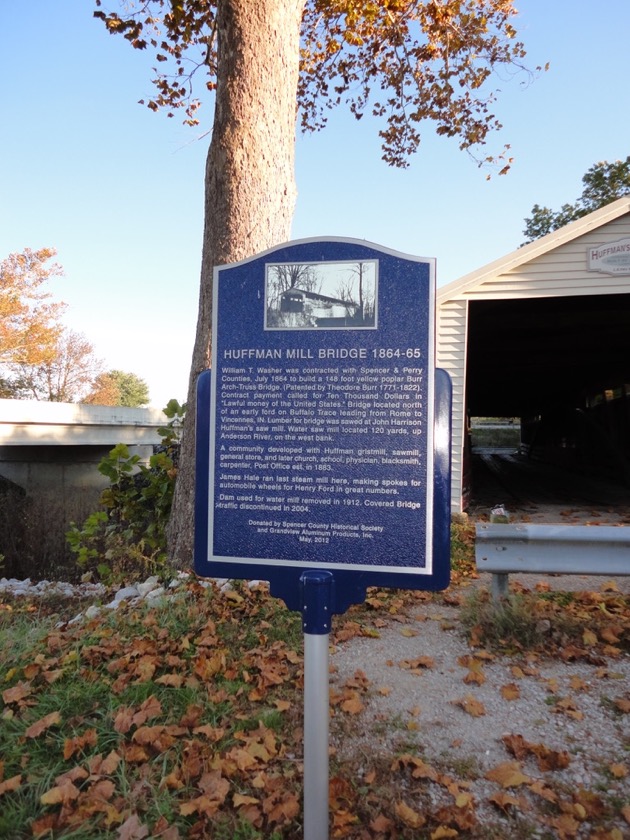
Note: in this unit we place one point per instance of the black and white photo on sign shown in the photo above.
(306, 296)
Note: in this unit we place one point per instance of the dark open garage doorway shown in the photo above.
(559, 369)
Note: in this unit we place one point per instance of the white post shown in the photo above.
(317, 608)
(316, 715)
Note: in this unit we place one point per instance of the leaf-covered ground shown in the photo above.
(182, 718)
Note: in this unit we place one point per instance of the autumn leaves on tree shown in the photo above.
(42, 359)
(29, 320)
(406, 63)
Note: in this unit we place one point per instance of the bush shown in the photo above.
(126, 538)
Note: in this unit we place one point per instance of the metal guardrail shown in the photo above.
(550, 549)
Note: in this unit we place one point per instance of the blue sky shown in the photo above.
(118, 190)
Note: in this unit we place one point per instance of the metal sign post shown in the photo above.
(323, 445)
(316, 621)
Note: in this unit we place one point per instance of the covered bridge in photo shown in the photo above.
(301, 300)
(543, 335)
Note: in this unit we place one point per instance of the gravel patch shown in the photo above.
(432, 695)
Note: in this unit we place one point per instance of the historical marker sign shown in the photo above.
(317, 427)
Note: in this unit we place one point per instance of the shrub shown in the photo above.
(126, 538)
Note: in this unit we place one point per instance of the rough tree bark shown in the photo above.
(249, 184)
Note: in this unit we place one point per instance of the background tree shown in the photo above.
(363, 274)
(603, 182)
(64, 376)
(289, 276)
(427, 61)
(104, 391)
(29, 320)
(116, 387)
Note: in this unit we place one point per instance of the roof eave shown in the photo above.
(537, 248)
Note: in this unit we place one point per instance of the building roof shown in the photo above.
(537, 248)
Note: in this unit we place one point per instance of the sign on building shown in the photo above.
(323, 429)
(611, 258)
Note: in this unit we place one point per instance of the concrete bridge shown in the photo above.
(46, 444)
(49, 456)
(35, 423)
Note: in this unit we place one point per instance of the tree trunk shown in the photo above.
(249, 185)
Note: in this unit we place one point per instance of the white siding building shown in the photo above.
(548, 323)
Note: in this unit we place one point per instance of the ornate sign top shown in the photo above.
(317, 446)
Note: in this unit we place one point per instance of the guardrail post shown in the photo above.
(500, 586)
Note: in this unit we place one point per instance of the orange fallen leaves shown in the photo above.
(206, 667)
(565, 825)
(172, 680)
(417, 665)
(16, 693)
(40, 726)
(589, 638)
(510, 691)
(408, 816)
(470, 705)
(622, 704)
(132, 829)
(214, 763)
(79, 742)
(381, 825)
(349, 698)
(158, 738)
(212, 733)
(134, 754)
(280, 806)
(353, 704)
(442, 832)
(506, 801)
(348, 630)
(60, 794)
(508, 774)
(12, 784)
(342, 822)
(128, 717)
(566, 706)
(419, 768)
(214, 790)
(99, 766)
(475, 673)
(547, 758)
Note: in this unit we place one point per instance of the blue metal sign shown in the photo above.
(323, 433)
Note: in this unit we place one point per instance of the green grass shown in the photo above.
(89, 673)
(163, 704)
(509, 624)
(463, 547)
